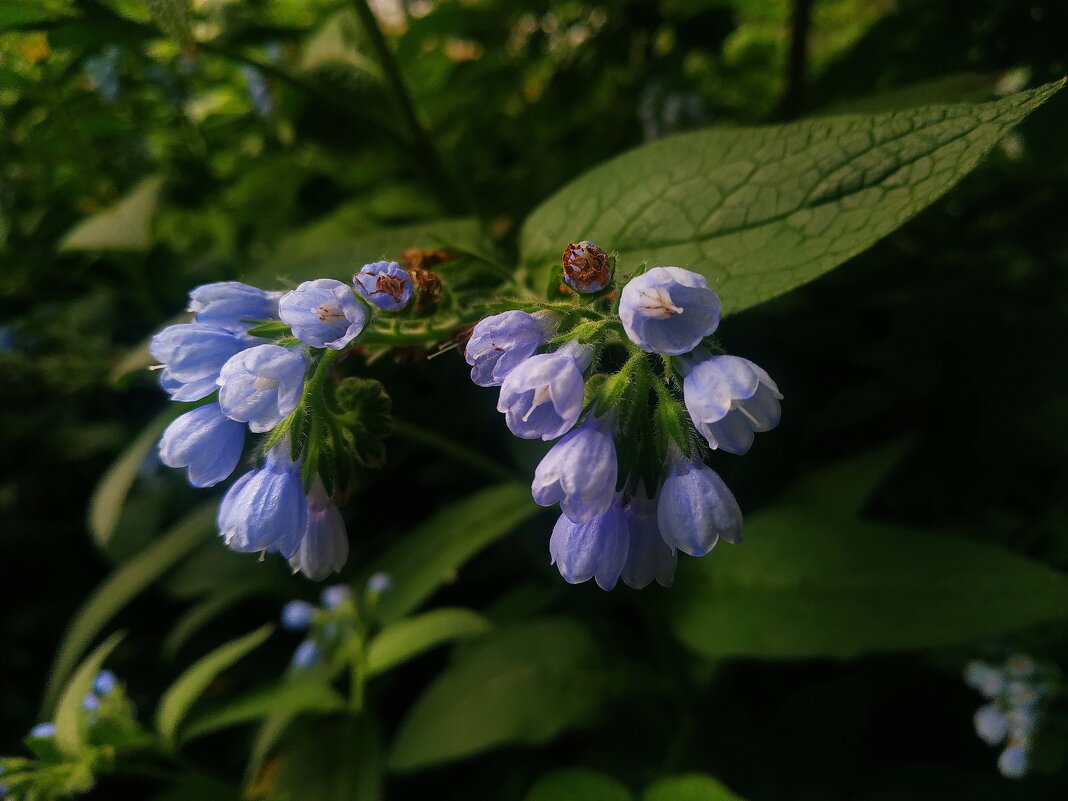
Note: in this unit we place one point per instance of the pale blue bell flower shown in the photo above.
(232, 305)
(192, 356)
(729, 399)
(579, 472)
(668, 310)
(385, 284)
(265, 509)
(594, 549)
(323, 313)
(205, 441)
(543, 397)
(695, 508)
(649, 558)
(261, 386)
(500, 343)
(324, 547)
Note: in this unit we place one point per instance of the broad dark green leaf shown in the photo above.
(122, 586)
(214, 604)
(843, 487)
(432, 553)
(578, 784)
(334, 760)
(523, 684)
(180, 696)
(806, 583)
(27, 12)
(689, 787)
(759, 211)
(126, 225)
(70, 716)
(412, 636)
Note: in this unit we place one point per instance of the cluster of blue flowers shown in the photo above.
(328, 625)
(256, 350)
(1015, 693)
(105, 689)
(620, 519)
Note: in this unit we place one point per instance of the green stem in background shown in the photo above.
(449, 191)
(460, 453)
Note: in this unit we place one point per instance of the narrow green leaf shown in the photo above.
(522, 684)
(105, 507)
(578, 784)
(217, 602)
(180, 696)
(432, 553)
(126, 225)
(809, 584)
(293, 695)
(122, 586)
(414, 635)
(70, 716)
(689, 787)
(330, 760)
(760, 211)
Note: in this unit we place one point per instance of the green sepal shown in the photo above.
(363, 409)
(671, 423)
(270, 329)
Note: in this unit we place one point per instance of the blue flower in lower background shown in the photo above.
(306, 656)
(542, 398)
(206, 441)
(729, 399)
(594, 549)
(192, 356)
(336, 596)
(385, 284)
(43, 731)
(648, 556)
(265, 510)
(696, 509)
(261, 386)
(324, 546)
(323, 313)
(668, 310)
(104, 683)
(298, 615)
(500, 343)
(579, 472)
(230, 304)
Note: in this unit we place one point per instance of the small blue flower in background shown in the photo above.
(258, 93)
(206, 441)
(594, 549)
(502, 342)
(261, 386)
(103, 72)
(384, 284)
(990, 724)
(668, 310)
(987, 679)
(336, 596)
(306, 656)
(1012, 763)
(695, 509)
(228, 304)
(43, 731)
(192, 356)
(265, 510)
(323, 313)
(586, 267)
(579, 472)
(104, 683)
(297, 615)
(729, 398)
(648, 556)
(542, 397)
(324, 546)
(379, 583)
(91, 702)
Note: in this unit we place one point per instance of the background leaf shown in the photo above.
(691, 787)
(759, 211)
(125, 225)
(412, 636)
(578, 784)
(333, 760)
(70, 716)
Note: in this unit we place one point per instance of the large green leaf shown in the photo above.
(180, 696)
(760, 211)
(578, 784)
(15, 13)
(126, 225)
(523, 684)
(806, 583)
(332, 760)
(689, 787)
(435, 550)
(70, 716)
(412, 636)
(122, 586)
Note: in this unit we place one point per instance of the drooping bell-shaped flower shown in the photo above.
(648, 556)
(385, 284)
(502, 342)
(323, 313)
(668, 310)
(261, 386)
(594, 549)
(579, 472)
(232, 304)
(542, 397)
(192, 355)
(695, 509)
(324, 548)
(730, 399)
(265, 510)
(206, 441)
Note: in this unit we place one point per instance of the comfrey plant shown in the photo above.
(636, 391)
(1017, 692)
(260, 359)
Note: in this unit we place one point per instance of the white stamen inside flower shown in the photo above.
(543, 394)
(330, 313)
(738, 405)
(656, 303)
(262, 383)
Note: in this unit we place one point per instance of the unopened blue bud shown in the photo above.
(384, 284)
(379, 583)
(297, 615)
(91, 702)
(1012, 764)
(43, 731)
(335, 596)
(104, 682)
(306, 656)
